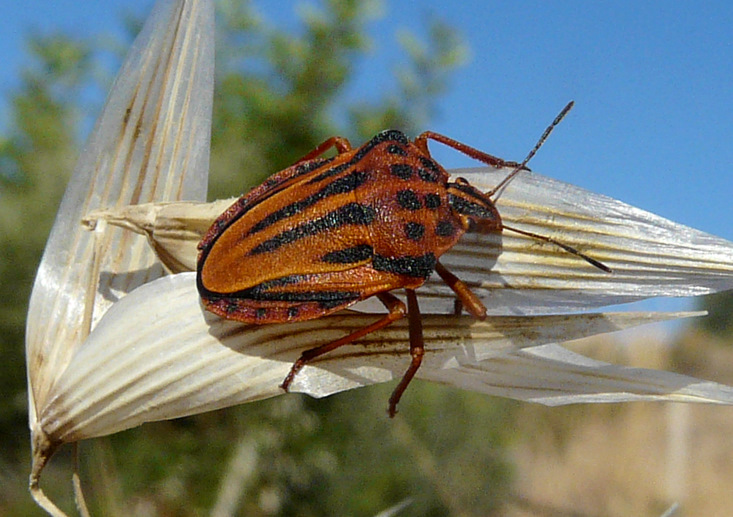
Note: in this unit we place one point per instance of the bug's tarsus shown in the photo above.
(457, 307)
(534, 150)
(593, 262)
(397, 311)
(417, 350)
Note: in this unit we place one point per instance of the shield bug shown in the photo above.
(326, 233)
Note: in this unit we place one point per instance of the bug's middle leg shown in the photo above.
(397, 311)
(465, 296)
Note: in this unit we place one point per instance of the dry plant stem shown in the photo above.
(99, 240)
(100, 230)
(39, 461)
(237, 479)
(428, 465)
(79, 499)
(44, 502)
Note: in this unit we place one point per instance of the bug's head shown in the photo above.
(475, 209)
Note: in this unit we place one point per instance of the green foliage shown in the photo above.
(720, 314)
(278, 94)
(336, 456)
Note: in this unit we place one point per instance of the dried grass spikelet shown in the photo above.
(110, 345)
(173, 230)
(151, 143)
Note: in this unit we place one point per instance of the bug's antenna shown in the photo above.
(593, 262)
(590, 260)
(534, 150)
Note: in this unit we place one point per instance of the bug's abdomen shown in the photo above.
(294, 257)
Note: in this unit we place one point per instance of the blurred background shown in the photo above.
(652, 126)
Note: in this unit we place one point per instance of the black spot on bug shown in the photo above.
(260, 313)
(336, 298)
(428, 175)
(401, 170)
(432, 201)
(326, 299)
(414, 231)
(408, 199)
(252, 293)
(342, 185)
(387, 135)
(445, 229)
(351, 213)
(349, 255)
(396, 149)
(333, 171)
(417, 267)
(263, 292)
(430, 164)
(311, 165)
(270, 182)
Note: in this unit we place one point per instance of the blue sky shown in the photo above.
(653, 85)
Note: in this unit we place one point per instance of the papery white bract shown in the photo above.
(158, 355)
(151, 143)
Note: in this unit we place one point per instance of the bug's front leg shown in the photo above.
(417, 350)
(397, 311)
(489, 159)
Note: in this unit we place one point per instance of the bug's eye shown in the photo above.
(470, 208)
(474, 206)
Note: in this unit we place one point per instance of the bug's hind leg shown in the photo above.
(465, 297)
(397, 311)
(417, 350)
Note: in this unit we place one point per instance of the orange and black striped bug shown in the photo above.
(326, 233)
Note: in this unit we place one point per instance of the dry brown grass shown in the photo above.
(632, 459)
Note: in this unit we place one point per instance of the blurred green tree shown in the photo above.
(36, 157)
(278, 94)
(719, 321)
